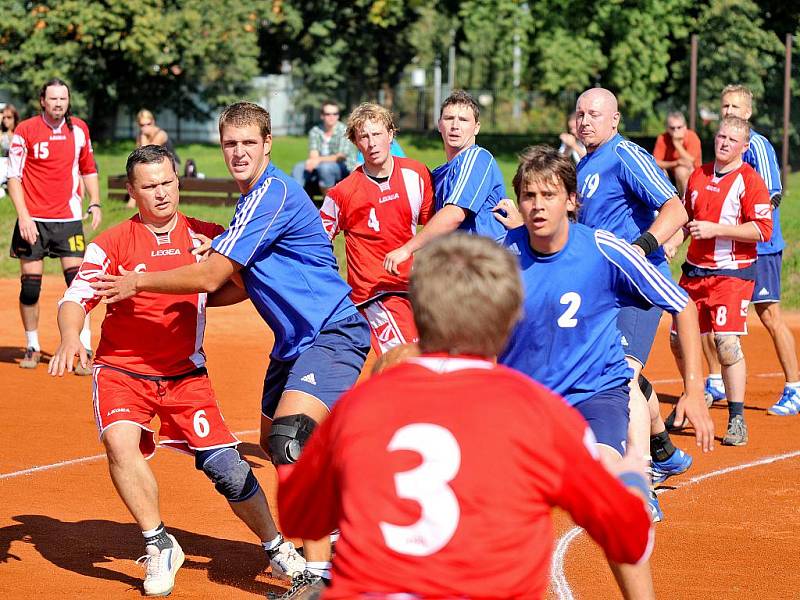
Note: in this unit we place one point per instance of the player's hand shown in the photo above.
(394, 356)
(62, 360)
(639, 249)
(204, 248)
(506, 212)
(113, 288)
(28, 230)
(634, 461)
(311, 164)
(670, 250)
(702, 230)
(692, 407)
(394, 259)
(97, 216)
(568, 139)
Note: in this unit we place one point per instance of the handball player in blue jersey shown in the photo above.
(622, 190)
(737, 101)
(466, 188)
(277, 248)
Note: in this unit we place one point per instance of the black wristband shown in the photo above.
(91, 206)
(647, 242)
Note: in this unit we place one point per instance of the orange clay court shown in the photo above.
(730, 530)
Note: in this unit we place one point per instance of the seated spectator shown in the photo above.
(678, 151)
(331, 156)
(570, 144)
(8, 122)
(150, 133)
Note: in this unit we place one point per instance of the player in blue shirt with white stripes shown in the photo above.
(277, 248)
(466, 188)
(622, 190)
(575, 279)
(737, 100)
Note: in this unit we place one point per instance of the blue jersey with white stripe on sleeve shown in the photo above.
(473, 181)
(762, 157)
(620, 188)
(289, 270)
(567, 338)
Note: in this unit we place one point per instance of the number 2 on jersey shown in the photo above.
(373, 222)
(427, 484)
(573, 302)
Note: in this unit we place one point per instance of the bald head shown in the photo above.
(598, 117)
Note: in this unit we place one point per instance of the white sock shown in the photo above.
(322, 568)
(273, 543)
(32, 339)
(795, 385)
(716, 381)
(86, 334)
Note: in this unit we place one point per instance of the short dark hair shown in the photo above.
(244, 114)
(329, 103)
(148, 155)
(55, 81)
(463, 98)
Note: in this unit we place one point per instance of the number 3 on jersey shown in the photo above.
(373, 222)
(427, 484)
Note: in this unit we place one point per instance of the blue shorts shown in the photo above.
(608, 416)
(638, 327)
(325, 370)
(768, 278)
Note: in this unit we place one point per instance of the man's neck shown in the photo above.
(50, 122)
(246, 186)
(723, 168)
(329, 129)
(382, 170)
(551, 244)
(160, 226)
(451, 153)
(590, 149)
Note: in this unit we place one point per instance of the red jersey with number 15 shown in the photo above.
(50, 162)
(441, 474)
(732, 199)
(377, 218)
(147, 334)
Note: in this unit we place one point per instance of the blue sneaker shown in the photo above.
(788, 405)
(656, 514)
(676, 464)
(713, 393)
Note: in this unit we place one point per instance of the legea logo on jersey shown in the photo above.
(166, 252)
(389, 198)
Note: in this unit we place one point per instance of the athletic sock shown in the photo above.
(735, 408)
(321, 568)
(716, 382)
(157, 537)
(661, 447)
(273, 543)
(32, 340)
(795, 385)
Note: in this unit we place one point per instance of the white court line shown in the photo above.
(762, 375)
(77, 461)
(558, 579)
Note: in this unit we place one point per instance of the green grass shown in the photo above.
(286, 151)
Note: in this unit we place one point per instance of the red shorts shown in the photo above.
(721, 302)
(187, 408)
(391, 322)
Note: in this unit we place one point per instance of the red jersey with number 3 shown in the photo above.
(147, 334)
(732, 199)
(50, 162)
(377, 218)
(441, 474)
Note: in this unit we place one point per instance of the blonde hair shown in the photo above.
(740, 90)
(369, 111)
(466, 294)
(737, 123)
(146, 114)
(243, 114)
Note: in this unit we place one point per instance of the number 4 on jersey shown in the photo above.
(373, 222)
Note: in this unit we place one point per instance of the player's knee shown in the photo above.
(287, 437)
(70, 273)
(30, 288)
(645, 386)
(729, 349)
(232, 476)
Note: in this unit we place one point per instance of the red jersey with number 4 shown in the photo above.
(147, 334)
(441, 474)
(50, 162)
(377, 218)
(735, 198)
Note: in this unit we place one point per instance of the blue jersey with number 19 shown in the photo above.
(289, 269)
(473, 181)
(761, 156)
(568, 338)
(620, 188)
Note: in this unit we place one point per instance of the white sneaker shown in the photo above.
(285, 560)
(162, 565)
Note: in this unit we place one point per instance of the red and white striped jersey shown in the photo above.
(377, 218)
(147, 334)
(735, 198)
(49, 162)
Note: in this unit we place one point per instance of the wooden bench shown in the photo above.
(194, 190)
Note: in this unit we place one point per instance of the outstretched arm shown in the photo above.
(70, 322)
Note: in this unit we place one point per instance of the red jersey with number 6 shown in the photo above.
(441, 474)
(50, 162)
(377, 218)
(147, 334)
(731, 199)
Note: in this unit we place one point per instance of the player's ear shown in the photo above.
(615, 119)
(572, 202)
(477, 127)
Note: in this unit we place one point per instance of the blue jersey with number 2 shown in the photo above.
(568, 338)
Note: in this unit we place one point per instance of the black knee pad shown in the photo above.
(70, 273)
(232, 476)
(287, 437)
(645, 386)
(31, 287)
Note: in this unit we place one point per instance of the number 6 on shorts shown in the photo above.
(201, 426)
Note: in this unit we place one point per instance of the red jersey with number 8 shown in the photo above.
(441, 474)
(49, 162)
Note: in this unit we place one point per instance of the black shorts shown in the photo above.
(56, 239)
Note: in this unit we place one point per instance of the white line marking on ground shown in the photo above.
(77, 461)
(557, 578)
(677, 380)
